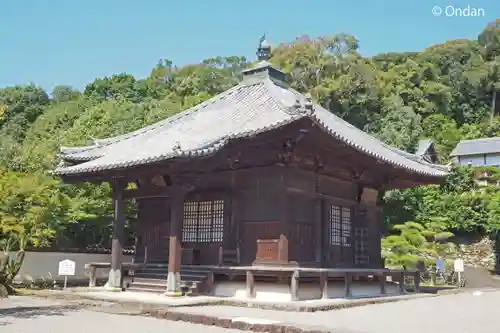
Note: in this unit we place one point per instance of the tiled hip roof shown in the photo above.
(247, 109)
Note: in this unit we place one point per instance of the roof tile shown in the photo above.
(477, 147)
(256, 105)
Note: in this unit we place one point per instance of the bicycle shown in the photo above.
(455, 281)
(430, 277)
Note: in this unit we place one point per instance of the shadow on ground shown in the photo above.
(30, 312)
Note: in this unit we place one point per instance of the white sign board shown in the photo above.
(66, 267)
(459, 265)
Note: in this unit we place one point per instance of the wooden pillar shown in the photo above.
(378, 260)
(371, 221)
(115, 277)
(294, 286)
(401, 278)
(250, 285)
(383, 281)
(210, 284)
(318, 232)
(318, 224)
(284, 219)
(175, 250)
(323, 284)
(348, 284)
(235, 207)
(92, 276)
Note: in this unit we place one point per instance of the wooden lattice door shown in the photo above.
(339, 243)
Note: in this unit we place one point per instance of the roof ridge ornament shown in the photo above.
(263, 69)
(177, 147)
(308, 105)
(264, 49)
(304, 107)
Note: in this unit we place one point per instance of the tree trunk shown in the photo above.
(493, 105)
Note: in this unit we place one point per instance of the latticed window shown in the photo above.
(340, 226)
(203, 221)
(361, 256)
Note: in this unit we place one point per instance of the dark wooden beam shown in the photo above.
(155, 192)
(158, 180)
(373, 172)
(301, 169)
(331, 199)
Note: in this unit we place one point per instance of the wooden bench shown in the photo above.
(127, 268)
(294, 273)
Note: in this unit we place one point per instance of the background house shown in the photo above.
(479, 152)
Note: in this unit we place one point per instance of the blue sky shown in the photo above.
(52, 42)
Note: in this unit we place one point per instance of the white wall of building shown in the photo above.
(493, 159)
(473, 160)
(480, 160)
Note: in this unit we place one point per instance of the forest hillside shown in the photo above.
(446, 92)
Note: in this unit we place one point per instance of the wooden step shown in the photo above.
(191, 284)
(146, 290)
(164, 268)
(188, 289)
(148, 280)
(151, 275)
(163, 275)
(148, 285)
(156, 265)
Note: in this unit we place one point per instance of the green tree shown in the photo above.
(446, 92)
(417, 242)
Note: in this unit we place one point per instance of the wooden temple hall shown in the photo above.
(256, 183)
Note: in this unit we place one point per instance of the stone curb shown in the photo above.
(280, 307)
(233, 323)
(3, 311)
(308, 308)
(464, 290)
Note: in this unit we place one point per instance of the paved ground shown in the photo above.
(43, 316)
(478, 277)
(461, 313)
(162, 300)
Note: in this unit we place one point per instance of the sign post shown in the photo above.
(66, 268)
(459, 268)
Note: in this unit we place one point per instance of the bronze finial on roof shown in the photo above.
(263, 68)
(264, 49)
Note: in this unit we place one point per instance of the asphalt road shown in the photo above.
(30, 315)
